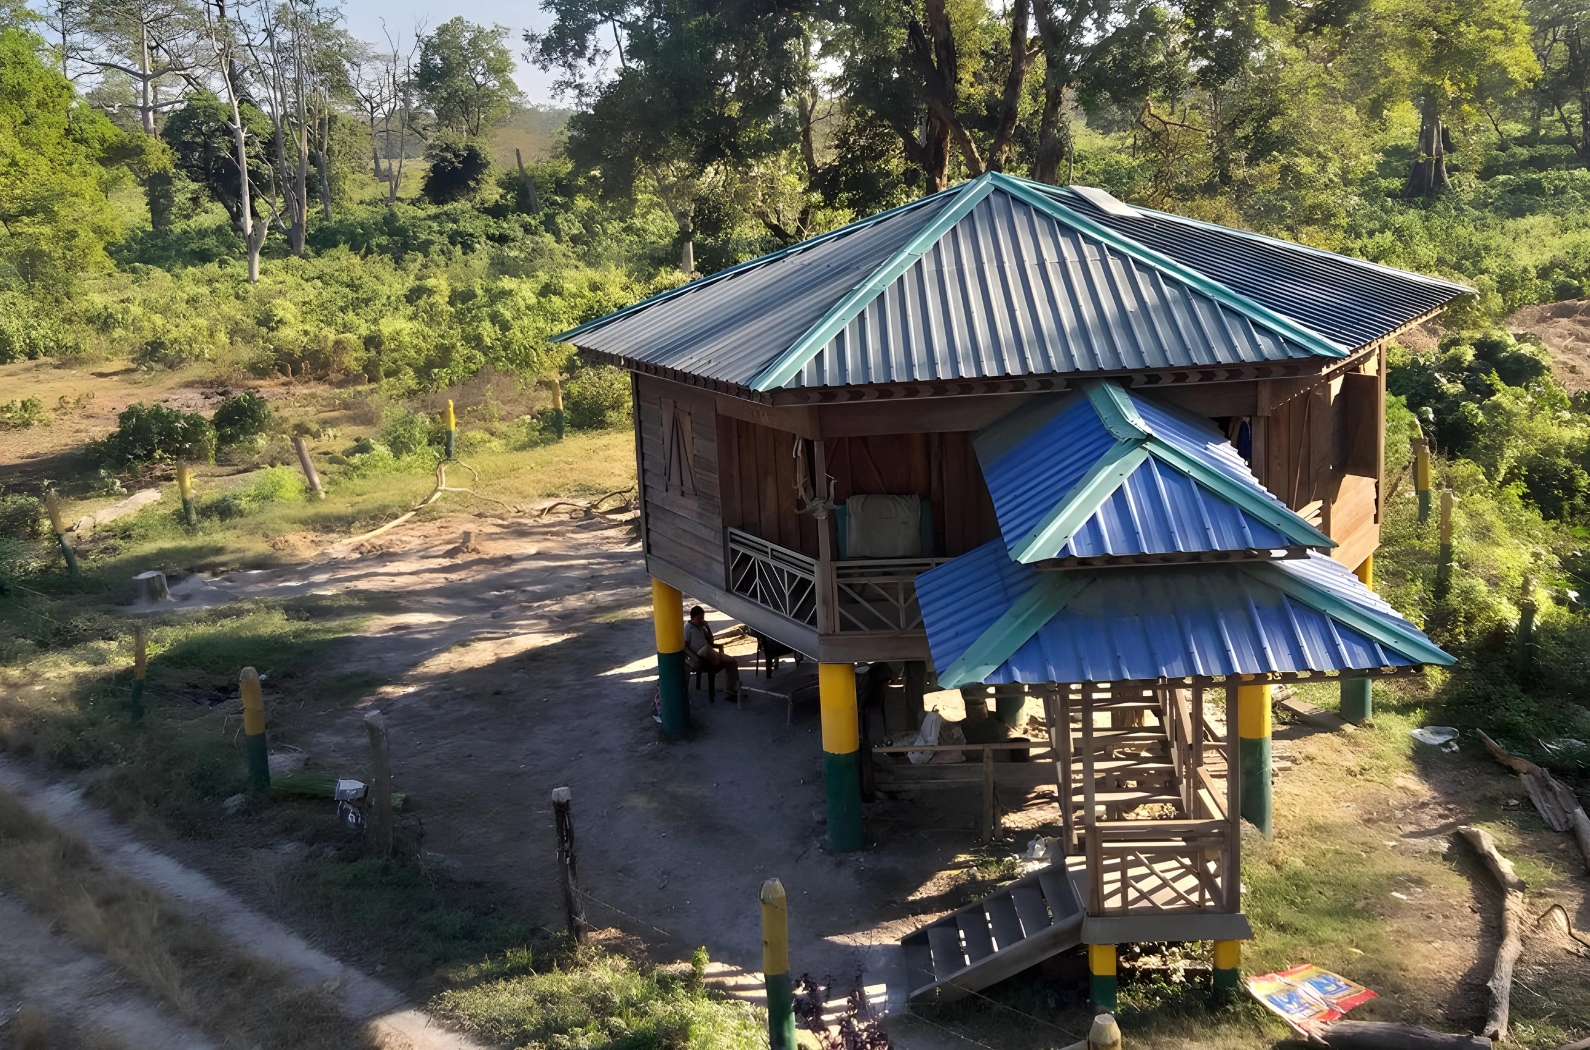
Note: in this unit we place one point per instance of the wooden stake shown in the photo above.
(1501, 983)
(185, 490)
(573, 903)
(52, 504)
(1385, 1035)
(309, 466)
(135, 706)
(990, 816)
(380, 782)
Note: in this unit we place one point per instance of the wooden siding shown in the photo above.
(758, 483)
(677, 426)
(940, 467)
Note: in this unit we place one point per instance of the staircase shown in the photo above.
(1017, 926)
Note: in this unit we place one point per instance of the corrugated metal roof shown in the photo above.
(1036, 462)
(994, 278)
(1143, 624)
(1349, 301)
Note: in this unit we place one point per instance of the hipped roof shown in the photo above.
(1000, 277)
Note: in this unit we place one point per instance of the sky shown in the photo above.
(364, 19)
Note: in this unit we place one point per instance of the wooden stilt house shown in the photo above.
(1032, 437)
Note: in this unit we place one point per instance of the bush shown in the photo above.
(20, 415)
(20, 517)
(239, 418)
(597, 398)
(457, 171)
(155, 433)
(406, 433)
(271, 485)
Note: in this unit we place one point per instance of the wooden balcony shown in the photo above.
(859, 609)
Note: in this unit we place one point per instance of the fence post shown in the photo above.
(1443, 568)
(380, 781)
(573, 903)
(775, 967)
(1421, 476)
(135, 705)
(452, 430)
(304, 460)
(557, 406)
(259, 758)
(185, 489)
(52, 504)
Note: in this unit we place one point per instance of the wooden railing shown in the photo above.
(878, 594)
(774, 577)
(860, 595)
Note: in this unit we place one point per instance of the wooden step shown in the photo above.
(974, 930)
(1004, 920)
(948, 958)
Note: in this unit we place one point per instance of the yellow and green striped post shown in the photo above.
(1101, 975)
(1228, 965)
(185, 489)
(775, 967)
(1253, 728)
(1422, 476)
(452, 430)
(1358, 694)
(668, 618)
(836, 695)
(135, 705)
(52, 504)
(557, 406)
(259, 759)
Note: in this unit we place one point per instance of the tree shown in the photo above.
(465, 76)
(54, 217)
(226, 68)
(382, 81)
(1562, 47)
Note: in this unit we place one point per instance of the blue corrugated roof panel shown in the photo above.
(1034, 460)
(1023, 284)
(1150, 623)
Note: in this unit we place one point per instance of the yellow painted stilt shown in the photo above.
(775, 967)
(1228, 965)
(1101, 975)
(259, 764)
(557, 406)
(52, 505)
(1443, 568)
(1422, 476)
(452, 430)
(836, 684)
(668, 618)
(185, 489)
(1253, 729)
(1358, 694)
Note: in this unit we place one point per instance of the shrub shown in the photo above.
(457, 171)
(406, 433)
(241, 417)
(596, 398)
(20, 415)
(154, 433)
(271, 485)
(20, 517)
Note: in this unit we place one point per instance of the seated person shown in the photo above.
(709, 654)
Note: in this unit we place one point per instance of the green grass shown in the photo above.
(589, 998)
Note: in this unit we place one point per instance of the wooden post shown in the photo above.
(309, 466)
(380, 782)
(1443, 568)
(1101, 975)
(1358, 694)
(135, 706)
(52, 504)
(573, 903)
(775, 967)
(1228, 966)
(1233, 883)
(190, 513)
(528, 183)
(557, 406)
(1253, 753)
(1524, 638)
(259, 759)
(1421, 476)
(990, 807)
(452, 430)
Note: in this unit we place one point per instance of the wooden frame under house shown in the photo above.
(1031, 441)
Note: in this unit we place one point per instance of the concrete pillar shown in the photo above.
(1228, 965)
(1253, 730)
(1101, 975)
(1009, 702)
(259, 759)
(668, 620)
(836, 685)
(1358, 694)
(775, 967)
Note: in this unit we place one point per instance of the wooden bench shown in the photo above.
(1024, 775)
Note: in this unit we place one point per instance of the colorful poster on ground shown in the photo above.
(1307, 996)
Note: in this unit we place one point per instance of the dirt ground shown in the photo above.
(1565, 329)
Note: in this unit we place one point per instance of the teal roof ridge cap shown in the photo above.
(1055, 529)
(1273, 513)
(1049, 594)
(967, 196)
(750, 264)
(1116, 410)
(1261, 315)
(1418, 649)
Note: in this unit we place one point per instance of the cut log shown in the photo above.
(1384, 1035)
(1578, 1044)
(152, 586)
(1556, 803)
(1501, 983)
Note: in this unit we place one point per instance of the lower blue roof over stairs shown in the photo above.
(990, 619)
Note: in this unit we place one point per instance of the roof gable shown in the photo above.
(1105, 472)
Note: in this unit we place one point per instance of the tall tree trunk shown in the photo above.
(1015, 79)
(1427, 176)
(1054, 132)
(935, 153)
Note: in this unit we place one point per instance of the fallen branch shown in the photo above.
(1566, 921)
(435, 494)
(594, 507)
(1556, 803)
(1512, 887)
(1578, 1044)
(1384, 1035)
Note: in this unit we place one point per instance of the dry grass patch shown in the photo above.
(203, 977)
